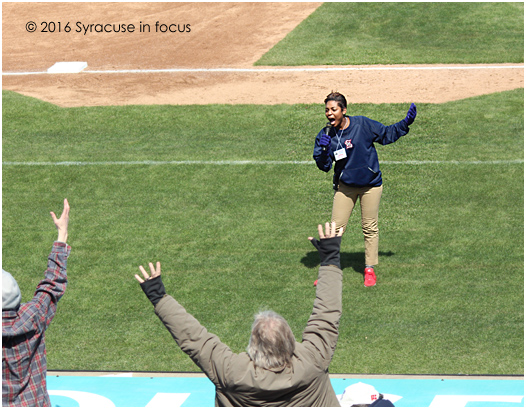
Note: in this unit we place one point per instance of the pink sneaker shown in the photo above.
(370, 277)
(315, 283)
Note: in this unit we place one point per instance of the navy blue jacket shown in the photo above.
(360, 167)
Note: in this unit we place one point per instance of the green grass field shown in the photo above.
(232, 238)
(405, 33)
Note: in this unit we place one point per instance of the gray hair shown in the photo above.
(11, 295)
(272, 342)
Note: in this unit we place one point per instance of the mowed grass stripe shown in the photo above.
(256, 162)
(486, 128)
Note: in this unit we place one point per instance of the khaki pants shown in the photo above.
(344, 201)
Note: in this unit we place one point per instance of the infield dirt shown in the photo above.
(222, 35)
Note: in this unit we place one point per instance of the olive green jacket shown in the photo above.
(239, 382)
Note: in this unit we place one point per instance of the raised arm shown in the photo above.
(204, 348)
(322, 328)
(51, 289)
(389, 134)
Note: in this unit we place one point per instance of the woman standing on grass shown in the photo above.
(349, 142)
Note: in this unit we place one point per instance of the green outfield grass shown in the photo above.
(404, 33)
(232, 239)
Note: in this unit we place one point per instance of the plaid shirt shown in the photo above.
(23, 346)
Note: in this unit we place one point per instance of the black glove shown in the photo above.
(329, 250)
(154, 289)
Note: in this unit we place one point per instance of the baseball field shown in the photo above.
(194, 148)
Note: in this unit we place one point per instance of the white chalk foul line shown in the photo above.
(278, 70)
(254, 162)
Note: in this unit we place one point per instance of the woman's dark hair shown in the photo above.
(339, 98)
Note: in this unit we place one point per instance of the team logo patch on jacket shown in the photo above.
(348, 144)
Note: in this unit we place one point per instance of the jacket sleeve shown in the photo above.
(321, 331)
(386, 134)
(50, 290)
(204, 348)
(323, 158)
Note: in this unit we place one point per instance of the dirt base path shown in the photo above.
(209, 36)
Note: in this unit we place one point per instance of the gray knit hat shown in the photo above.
(11, 295)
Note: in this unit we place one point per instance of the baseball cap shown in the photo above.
(11, 295)
(359, 394)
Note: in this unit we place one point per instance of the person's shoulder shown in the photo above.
(359, 120)
(304, 353)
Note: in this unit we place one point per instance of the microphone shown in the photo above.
(326, 131)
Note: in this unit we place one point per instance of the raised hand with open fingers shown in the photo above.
(329, 244)
(330, 231)
(156, 272)
(62, 222)
(152, 285)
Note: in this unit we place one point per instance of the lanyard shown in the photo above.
(340, 136)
